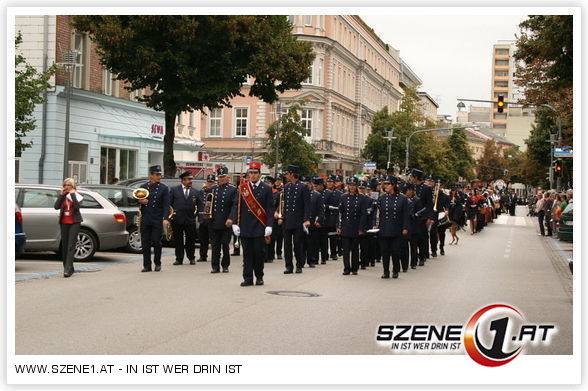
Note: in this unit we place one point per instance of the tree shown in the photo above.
(491, 164)
(376, 146)
(192, 62)
(292, 148)
(29, 85)
(545, 48)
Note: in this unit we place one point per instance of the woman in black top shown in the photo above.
(69, 220)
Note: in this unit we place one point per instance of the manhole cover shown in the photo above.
(293, 293)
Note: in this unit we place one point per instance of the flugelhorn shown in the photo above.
(140, 194)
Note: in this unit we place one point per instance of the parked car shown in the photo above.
(123, 198)
(135, 183)
(103, 228)
(20, 238)
(566, 224)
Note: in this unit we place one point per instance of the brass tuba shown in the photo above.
(140, 194)
(208, 205)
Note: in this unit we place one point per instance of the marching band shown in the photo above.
(312, 220)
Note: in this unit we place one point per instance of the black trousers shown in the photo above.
(391, 248)
(404, 252)
(293, 246)
(69, 239)
(350, 254)
(413, 243)
(332, 242)
(511, 209)
(433, 238)
(441, 237)
(323, 237)
(541, 217)
(151, 237)
(254, 255)
(374, 248)
(275, 247)
(220, 239)
(364, 250)
(422, 245)
(313, 241)
(190, 246)
(204, 239)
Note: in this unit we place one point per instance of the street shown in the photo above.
(109, 307)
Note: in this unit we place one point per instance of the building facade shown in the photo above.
(428, 106)
(111, 134)
(354, 74)
(515, 122)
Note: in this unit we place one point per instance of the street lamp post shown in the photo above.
(389, 138)
(69, 63)
(552, 141)
(279, 111)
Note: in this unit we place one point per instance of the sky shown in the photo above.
(452, 55)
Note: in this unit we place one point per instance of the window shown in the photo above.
(309, 79)
(501, 63)
(40, 198)
(79, 42)
(501, 73)
(133, 95)
(499, 116)
(214, 126)
(308, 20)
(306, 119)
(502, 84)
(319, 76)
(499, 126)
(179, 123)
(117, 163)
(291, 19)
(191, 117)
(116, 196)
(88, 202)
(107, 82)
(241, 116)
(502, 52)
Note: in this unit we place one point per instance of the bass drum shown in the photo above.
(444, 221)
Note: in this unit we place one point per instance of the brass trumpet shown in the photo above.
(208, 205)
(281, 205)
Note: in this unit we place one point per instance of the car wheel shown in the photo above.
(134, 241)
(86, 246)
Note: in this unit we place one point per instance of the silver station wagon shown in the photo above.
(103, 228)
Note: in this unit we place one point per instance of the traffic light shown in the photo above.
(557, 167)
(500, 104)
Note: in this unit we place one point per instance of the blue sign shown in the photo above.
(369, 165)
(248, 160)
(566, 151)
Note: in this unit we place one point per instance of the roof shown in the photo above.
(489, 134)
(426, 95)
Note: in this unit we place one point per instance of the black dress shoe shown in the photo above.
(442, 252)
(298, 270)
(311, 265)
(385, 275)
(288, 271)
(363, 267)
(394, 275)
(323, 262)
(145, 270)
(157, 268)
(247, 283)
(178, 263)
(434, 255)
(215, 271)
(236, 253)
(422, 263)
(66, 275)
(354, 273)
(405, 270)
(413, 266)
(373, 264)
(346, 273)
(269, 261)
(201, 260)
(225, 269)
(259, 282)
(192, 262)
(280, 256)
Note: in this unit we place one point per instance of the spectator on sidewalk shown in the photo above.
(70, 219)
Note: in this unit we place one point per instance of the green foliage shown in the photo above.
(491, 164)
(537, 144)
(191, 62)
(292, 148)
(29, 86)
(445, 158)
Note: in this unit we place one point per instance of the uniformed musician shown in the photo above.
(204, 224)
(184, 200)
(364, 240)
(317, 219)
(442, 206)
(296, 219)
(340, 187)
(277, 231)
(352, 220)
(253, 216)
(417, 227)
(220, 222)
(393, 225)
(270, 247)
(323, 234)
(374, 194)
(332, 214)
(425, 194)
(154, 214)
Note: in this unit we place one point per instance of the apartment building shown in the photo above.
(354, 75)
(111, 134)
(428, 106)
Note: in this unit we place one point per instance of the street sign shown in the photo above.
(566, 151)
(248, 160)
(369, 165)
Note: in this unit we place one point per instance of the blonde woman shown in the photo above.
(69, 221)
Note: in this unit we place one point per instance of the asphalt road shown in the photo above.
(109, 307)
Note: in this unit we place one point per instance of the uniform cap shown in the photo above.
(318, 180)
(222, 171)
(210, 178)
(416, 173)
(186, 174)
(352, 181)
(255, 166)
(155, 169)
(293, 169)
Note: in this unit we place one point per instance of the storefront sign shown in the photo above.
(157, 132)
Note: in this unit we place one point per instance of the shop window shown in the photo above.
(117, 163)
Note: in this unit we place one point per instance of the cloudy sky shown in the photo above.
(452, 54)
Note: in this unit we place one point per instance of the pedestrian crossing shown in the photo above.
(520, 221)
